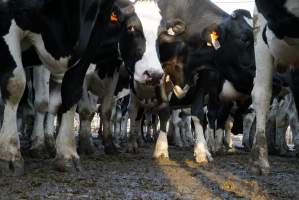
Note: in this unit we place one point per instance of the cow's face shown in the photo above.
(173, 51)
(132, 41)
(238, 39)
(143, 32)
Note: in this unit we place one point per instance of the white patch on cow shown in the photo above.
(149, 14)
(249, 21)
(124, 92)
(161, 148)
(284, 51)
(293, 7)
(228, 92)
(65, 141)
(55, 66)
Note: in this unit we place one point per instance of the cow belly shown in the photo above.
(285, 51)
(228, 92)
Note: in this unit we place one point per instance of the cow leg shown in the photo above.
(282, 124)
(161, 148)
(228, 134)
(41, 78)
(248, 123)
(135, 113)
(261, 99)
(67, 157)
(201, 152)
(176, 120)
(49, 134)
(13, 81)
(85, 145)
(106, 111)
(117, 127)
(54, 103)
(124, 126)
(294, 125)
(222, 117)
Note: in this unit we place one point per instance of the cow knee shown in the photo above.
(14, 87)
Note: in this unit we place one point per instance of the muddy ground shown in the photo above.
(138, 176)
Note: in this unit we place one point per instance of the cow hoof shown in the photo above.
(67, 165)
(161, 153)
(12, 168)
(39, 152)
(132, 147)
(111, 149)
(201, 154)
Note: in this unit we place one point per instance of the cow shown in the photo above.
(276, 42)
(209, 46)
(64, 34)
(141, 63)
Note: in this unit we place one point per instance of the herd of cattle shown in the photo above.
(210, 73)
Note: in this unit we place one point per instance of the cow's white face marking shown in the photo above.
(149, 14)
(293, 7)
(248, 21)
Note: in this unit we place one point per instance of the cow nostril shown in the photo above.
(147, 75)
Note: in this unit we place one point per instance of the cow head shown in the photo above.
(184, 49)
(139, 45)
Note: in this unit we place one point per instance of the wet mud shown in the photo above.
(138, 176)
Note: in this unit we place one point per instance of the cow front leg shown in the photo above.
(261, 95)
(228, 142)
(201, 152)
(67, 158)
(161, 148)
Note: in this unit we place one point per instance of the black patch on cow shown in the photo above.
(280, 20)
(264, 35)
(7, 66)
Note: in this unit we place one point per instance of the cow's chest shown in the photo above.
(284, 51)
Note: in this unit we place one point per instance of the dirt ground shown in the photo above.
(127, 176)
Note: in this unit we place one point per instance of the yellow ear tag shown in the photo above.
(214, 39)
(113, 17)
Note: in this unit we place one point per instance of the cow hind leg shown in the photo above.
(261, 95)
(13, 83)
(86, 145)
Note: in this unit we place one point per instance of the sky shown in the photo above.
(231, 5)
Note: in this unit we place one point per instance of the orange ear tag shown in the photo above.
(113, 17)
(214, 39)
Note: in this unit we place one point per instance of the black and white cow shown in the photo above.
(203, 48)
(138, 52)
(276, 42)
(64, 34)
